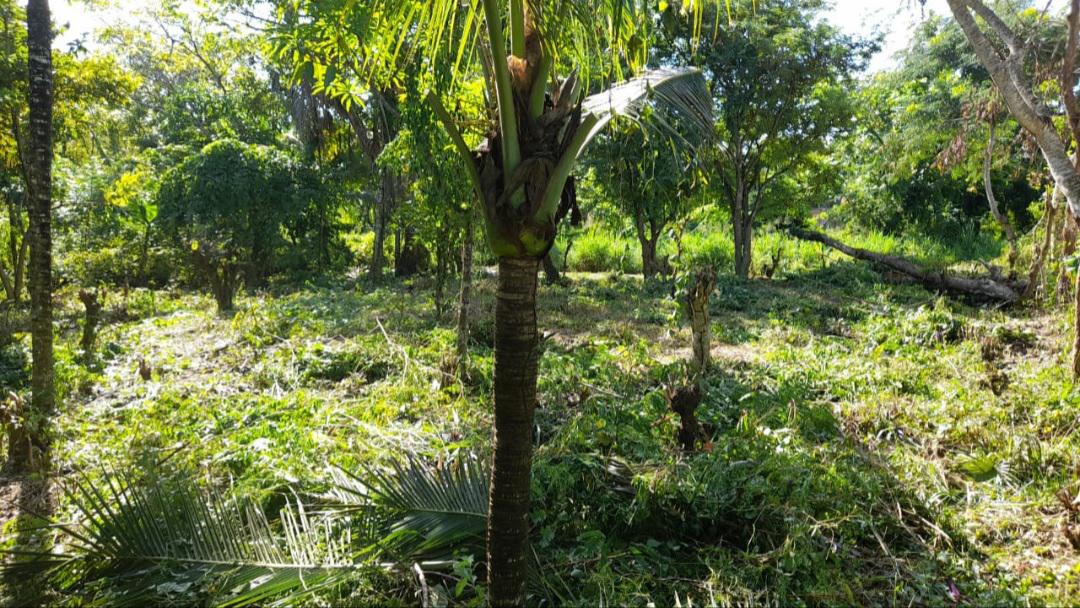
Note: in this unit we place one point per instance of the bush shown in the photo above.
(713, 248)
(602, 252)
(118, 265)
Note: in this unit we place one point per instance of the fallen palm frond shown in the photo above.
(429, 508)
(137, 544)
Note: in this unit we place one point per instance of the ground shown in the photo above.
(868, 442)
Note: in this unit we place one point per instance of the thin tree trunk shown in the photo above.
(743, 248)
(382, 224)
(551, 271)
(33, 452)
(1076, 330)
(697, 304)
(995, 208)
(1068, 248)
(20, 263)
(1035, 275)
(516, 354)
(465, 298)
(440, 274)
(741, 222)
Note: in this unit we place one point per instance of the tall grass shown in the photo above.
(601, 251)
(711, 244)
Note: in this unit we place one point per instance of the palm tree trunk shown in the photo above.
(43, 400)
(516, 354)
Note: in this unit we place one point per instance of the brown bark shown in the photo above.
(684, 401)
(93, 305)
(33, 453)
(697, 305)
(465, 298)
(382, 225)
(979, 287)
(648, 234)
(516, 355)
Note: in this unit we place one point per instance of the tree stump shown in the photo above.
(93, 303)
(702, 284)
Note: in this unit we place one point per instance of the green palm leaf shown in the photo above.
(429, 508)
(670, 96)
(150, 542)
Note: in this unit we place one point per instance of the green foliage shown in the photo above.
(915, 162)
(236, 203)
(598, 251)
(14, 368)
(161, 540)
(767, 133)
(431, 508)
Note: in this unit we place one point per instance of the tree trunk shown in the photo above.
(382, 225)
(1068, 248)
(743, 249)
(649, 265)
(465, 298)
(33, 453)
(440, 274)
(648, 239)
(1008, 292)
(93, 305)
(516, 354)
(1076, 331)
(551, 271)
(697, 305)
(1006, 70)
(995, 208)
(1035, 274)
(742, 222)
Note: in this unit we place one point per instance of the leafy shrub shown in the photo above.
(713, 248)
(603, 252)
(118, 265)
(14, 367)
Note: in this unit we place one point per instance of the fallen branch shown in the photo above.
(983, 288)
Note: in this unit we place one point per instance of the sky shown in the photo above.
(897, 19)
(894, 18)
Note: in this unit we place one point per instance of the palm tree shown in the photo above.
(28, 448)
(539, 125)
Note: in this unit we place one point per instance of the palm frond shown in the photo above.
(675, 99)
(380, 39)
(430, 507)
(149, 543)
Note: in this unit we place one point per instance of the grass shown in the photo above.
(861, 451)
